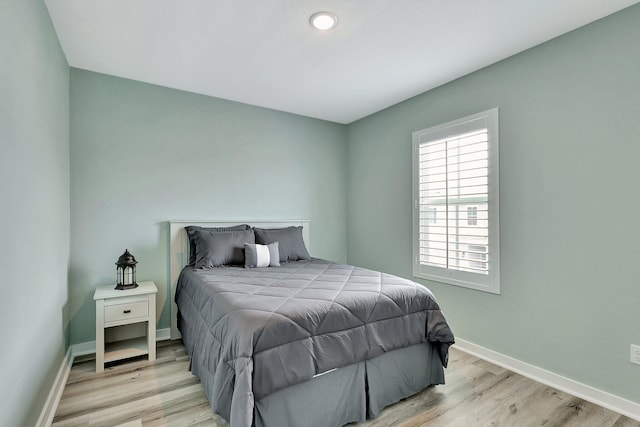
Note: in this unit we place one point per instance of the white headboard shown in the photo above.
(179, 250)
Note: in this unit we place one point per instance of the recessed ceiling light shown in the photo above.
(323, 20)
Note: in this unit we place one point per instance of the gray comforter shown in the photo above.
(257, 331)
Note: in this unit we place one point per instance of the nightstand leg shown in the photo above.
(151, 328)
(99, 336)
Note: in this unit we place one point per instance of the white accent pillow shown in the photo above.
(261, 255)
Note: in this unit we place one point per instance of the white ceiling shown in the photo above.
(265, 53)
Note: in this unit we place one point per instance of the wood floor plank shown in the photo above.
(144, 409)
(164, 393)
(119, 389)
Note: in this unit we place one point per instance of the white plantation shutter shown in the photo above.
(456, 202)
(453, 180)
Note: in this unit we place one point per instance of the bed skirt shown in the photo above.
(354, 393)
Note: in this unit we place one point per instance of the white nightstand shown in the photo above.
(116, 307)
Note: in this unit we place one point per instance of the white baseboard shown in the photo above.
(163, 334)
(83, 348)
(607, 400)
(51, 404)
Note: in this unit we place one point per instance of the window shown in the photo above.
(432, 215)
(455, 173)
(472, 215)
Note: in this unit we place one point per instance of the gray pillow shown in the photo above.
(191, 229)
(290, 242)
(218, 248)
(261, 255)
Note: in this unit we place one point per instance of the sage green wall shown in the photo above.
(142, 155)
(569, 176)
(34, 208)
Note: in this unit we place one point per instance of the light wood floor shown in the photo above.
(477, 393)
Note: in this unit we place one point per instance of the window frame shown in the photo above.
(483, 282)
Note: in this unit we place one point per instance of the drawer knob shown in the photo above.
(127, 311)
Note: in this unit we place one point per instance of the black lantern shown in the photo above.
(126, 268)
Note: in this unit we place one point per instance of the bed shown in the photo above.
(308, 342)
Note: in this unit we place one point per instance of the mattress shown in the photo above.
(258, 331)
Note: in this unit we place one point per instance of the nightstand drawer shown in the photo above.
(117, 312)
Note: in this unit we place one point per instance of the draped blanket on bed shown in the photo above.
(257, 331)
